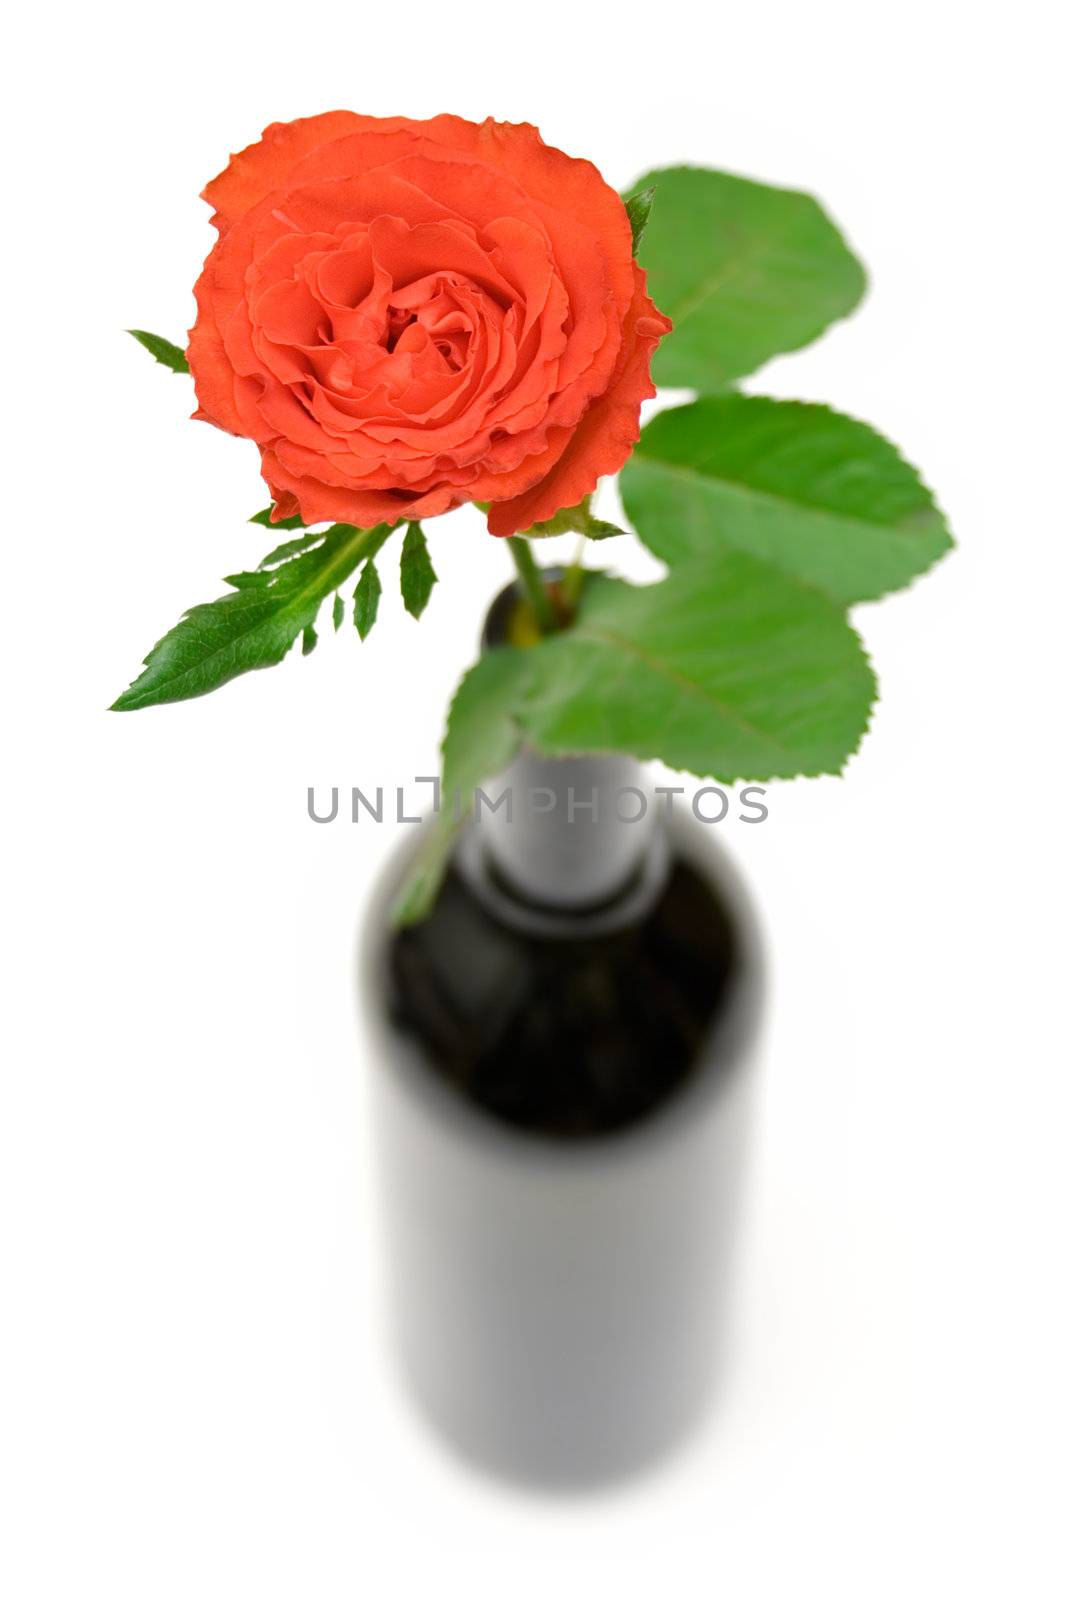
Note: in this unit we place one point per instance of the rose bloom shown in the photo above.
(408, 315)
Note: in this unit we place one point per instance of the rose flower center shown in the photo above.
(438, 316)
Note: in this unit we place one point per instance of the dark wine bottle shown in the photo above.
(562, 1052)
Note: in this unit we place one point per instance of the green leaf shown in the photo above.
(247, 580)
(596, 528)
(481, 738)
(338, 611)
(167, 354)
(263, 576)
(726, 669)
(263, 518)
(417, 576)
(745, 272)
(638, 207)
(292, 547)
(309, 641)
(812, 491)
(253, 627)
(365, 600)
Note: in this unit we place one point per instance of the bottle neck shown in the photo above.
(566, 834)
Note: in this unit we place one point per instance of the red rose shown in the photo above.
(408, 315)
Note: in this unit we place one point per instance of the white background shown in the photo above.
(197, 1397)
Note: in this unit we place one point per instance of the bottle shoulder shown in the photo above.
(560, 1031)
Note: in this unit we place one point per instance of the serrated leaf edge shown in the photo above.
(642, 457)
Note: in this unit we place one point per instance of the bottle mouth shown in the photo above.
(508, 603)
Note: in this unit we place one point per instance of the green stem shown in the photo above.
(574, 577)
(532, 583)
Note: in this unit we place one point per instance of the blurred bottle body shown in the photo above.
(563, 1054)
